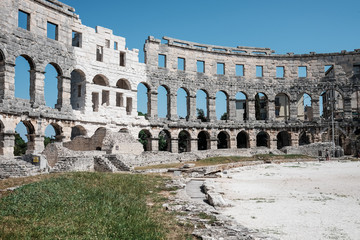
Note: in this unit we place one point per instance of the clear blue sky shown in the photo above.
(282, 25)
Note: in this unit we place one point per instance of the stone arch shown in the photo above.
(24, 78)
(53, 85)
(101, 80)
(261, 106)
(183, 103)
(304, 107)
(78, 89)
(165, 141)
(332, 101)
(222, 105)
(77, 131)
(202, 105)
(184, 141)
(145, 138)
(282, 106)
(241, 105)
(57, 131)
(29, 137)
(283, 139)
(164, 101)
(123, 84)
(144, 95)
(304, 139)
(223, 140)
(263, 139)
(242, 140)
(204, 140)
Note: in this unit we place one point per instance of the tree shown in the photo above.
(142, 114)
(20, 145)
(201, 114)
(183, 141)
(48, 140)
(224, 116)
(143, 139)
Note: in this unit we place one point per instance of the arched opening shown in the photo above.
(143, 99)
(202, 105)
(184, 144)
(165, 141)
(145, 139)
(163, 101)
(223, 140)
(283, 139)
(123, 84)
(51, 85)
(241, 106)
(24, 138)
(355, 105)
(304, 107)
(282, 107)
(78, 131)
(23, 77)
(101, 80)
(304, 139)
(261, 106)
(78, 89)
(203, 140)
(49, 135)
(222, 105)
(331, 104)
(263, 140)
(183, 103)
(242, 140)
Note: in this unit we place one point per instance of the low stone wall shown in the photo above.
(314, 149)
(17, 168)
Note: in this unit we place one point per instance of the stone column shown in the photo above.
(152, 104)
(232, 109)
(7, 87)
(293, 110)
(251, 110)
(174, 145)
(347, 108)
(154, 144)
(37, 97)
(316, 108)
(273, 140)
(64, 93)
(233, 143)
(212, 109)
(214, 143)
(8, 144)
(194, 145)
(295, 139)
(192, 108)
(35, 144)
(271, 110)
(172, 108)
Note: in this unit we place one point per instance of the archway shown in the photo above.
(283, 139)
(52, 88)
(78, 131)
(261, 106)
(282, 107)
(304, 107)
(223, 140)
(184, 144)
(100, 80)
(165, 141)
(203, 140)
(202, 105)
(143, 99)
(78, 89)
(23, 75)
(145, 139)
(262, 139)
(222, 105)
(331, 104)
(304, 139)
(24, 138)
(163, 101)
(182, 103)
(241, 106)
(242, 140)
(355, 105)
(123, 84)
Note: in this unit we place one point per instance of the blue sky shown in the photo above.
(282, 25)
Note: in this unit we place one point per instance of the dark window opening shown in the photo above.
(95, 101)
(79, 90)
(105, 98)
(52, 31)
(99, 53)
(119, 100)
(24, 20)
(122, 59)
(76, 39)
(356, 69)
(116, 47)
(107, 43)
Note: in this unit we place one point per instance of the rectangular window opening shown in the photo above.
(52, 31)
(119, 100)
(162, 61)
(105, 98)
(239, 69)
(24, 20)
(181, 64)
(116, 47)
(356, 69)
(200, 66)
(128, 106)
(107, 43)
(259, 71)
(76, 39)
(99, 53)
(79, 90)
(122, 59)
(95, 101)
(302, 71)
(220, 68)
(280, 72)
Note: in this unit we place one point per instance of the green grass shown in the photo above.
(88, 206)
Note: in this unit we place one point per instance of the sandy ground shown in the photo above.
(309, 200)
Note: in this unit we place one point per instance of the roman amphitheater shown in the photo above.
(272, 101)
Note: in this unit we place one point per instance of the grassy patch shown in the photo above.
(88, 206)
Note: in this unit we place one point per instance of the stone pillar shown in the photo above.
(192, 108)
(271, 110)
(8, 144)
(194, 145)
(293, 110)
(347, 108)
(212, 109)
(64, 93)
(172, 108)
(152, 104)
(273, 140)
(7, 81)
(295, 139)
(316, 108)
(35, 144)
(154, 144)
(251, 110)
(214, 143)
(232, 109)
(233, 143)
(174, 145)
(37, 97)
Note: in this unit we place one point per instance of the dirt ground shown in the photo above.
(310, 200)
